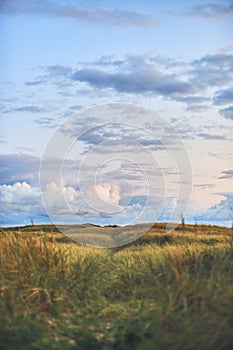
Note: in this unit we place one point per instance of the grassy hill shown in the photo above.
(163, 291)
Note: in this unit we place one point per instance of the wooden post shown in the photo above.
(182, 220)
(231, 214)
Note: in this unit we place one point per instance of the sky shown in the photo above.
(116, 112)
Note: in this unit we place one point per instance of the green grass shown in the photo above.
(164, 291)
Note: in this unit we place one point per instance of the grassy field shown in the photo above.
(164, 291)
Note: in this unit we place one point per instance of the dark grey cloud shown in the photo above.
(76, 107)
(47, 122)
(194, 99)
(148, 75)
(108, 60)
(210, 10)
(92, 139)
(184, 128)
(224, 97)
(197, 108)
(135, 81)
(153, 75)
(152, 142)
(30, 109)
(195, 103)
(207, 136)
(123, 137)
(227, 112)
(18, 167)
(226, 174)
(36, 82)
(136, 60)
(204, 186)
(119, 18)
(216, 60)
(24, 167)
(212, 71)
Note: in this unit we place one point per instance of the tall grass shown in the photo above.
(165, 291)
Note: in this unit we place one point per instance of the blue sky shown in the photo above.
(59, 58)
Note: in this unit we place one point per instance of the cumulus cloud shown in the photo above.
(98, 204)
(108, 192)
(20, 203)
(119, 18)
(19, 193)
(118, 194)
(20, 197)
(61, 201)
(218, 213)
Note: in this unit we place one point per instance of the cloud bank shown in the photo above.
(149, 75)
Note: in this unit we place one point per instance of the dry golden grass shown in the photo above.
(164, 291)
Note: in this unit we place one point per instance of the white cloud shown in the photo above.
(18, 194)
(220, 213)
(61, 201)
(108, 192)
(19, 204)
